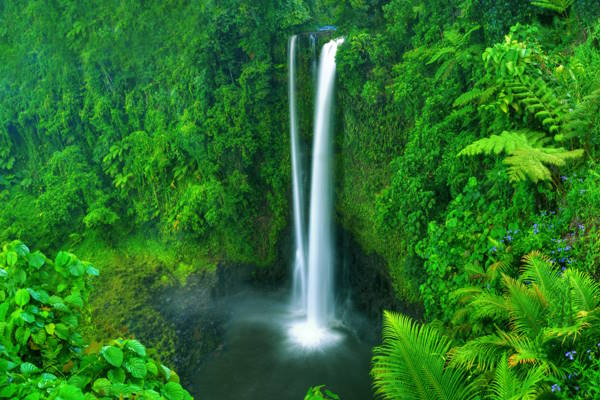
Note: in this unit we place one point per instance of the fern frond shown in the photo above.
(488, 305)
(560, 6)
(528, 162)
(507, 142)
(572, 331)
(465, 294)
(585, 292)
(539, 100)
(527, 310)
(579, 121)
(410, 364)
(527, 154)
(507, 385)
(467, 97)
(481, 353)
(538, 270)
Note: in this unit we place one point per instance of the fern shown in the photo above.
(585, 293)
(537, 98)
(527, 154)
(481, 353)
(410, 364)
(579, 122)
(560, 6)
(508, 386)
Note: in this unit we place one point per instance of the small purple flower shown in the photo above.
(563, 178)
(570, 354)
(581, 227)
(582, 191)
(535, 229)
(555, 388)
(494, 249)
(508, 237)
(567, 248)
(564, 268)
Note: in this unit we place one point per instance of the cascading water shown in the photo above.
(299, 276)
(319, 288)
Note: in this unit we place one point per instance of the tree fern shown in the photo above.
(537, 98)
(410, 364)
(528, 155)
(560, 6)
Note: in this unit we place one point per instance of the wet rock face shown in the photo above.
(364, 283)
(195, 313)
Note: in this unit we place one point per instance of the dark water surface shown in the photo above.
(259, 360)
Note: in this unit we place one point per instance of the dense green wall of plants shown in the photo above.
(159, 116)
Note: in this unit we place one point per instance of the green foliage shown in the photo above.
(560, 6)
(42, 351)
(320, 393)
(527, 154)
(109, 144)
(507, 385)
(411, 363)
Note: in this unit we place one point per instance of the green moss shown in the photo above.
(132, 273)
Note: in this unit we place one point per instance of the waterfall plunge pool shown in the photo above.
(259, 359)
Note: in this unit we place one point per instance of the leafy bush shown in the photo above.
(43, 354)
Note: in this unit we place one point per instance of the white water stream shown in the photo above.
(318, 281)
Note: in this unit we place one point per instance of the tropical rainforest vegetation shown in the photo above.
(467, 150)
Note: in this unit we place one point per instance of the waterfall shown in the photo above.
(313, 281)
(299, 275)
(320, 240)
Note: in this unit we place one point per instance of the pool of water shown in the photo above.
(260, 359)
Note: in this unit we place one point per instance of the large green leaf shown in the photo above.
(22, 297)
(102, 386)
(136, 367)
(136, 347)
(36, 260)
(116, 375)
(69, 392)
(62, 259)
(11, 258)
(74, 299)
(28, 368)
(113, 355)
(173, 391)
